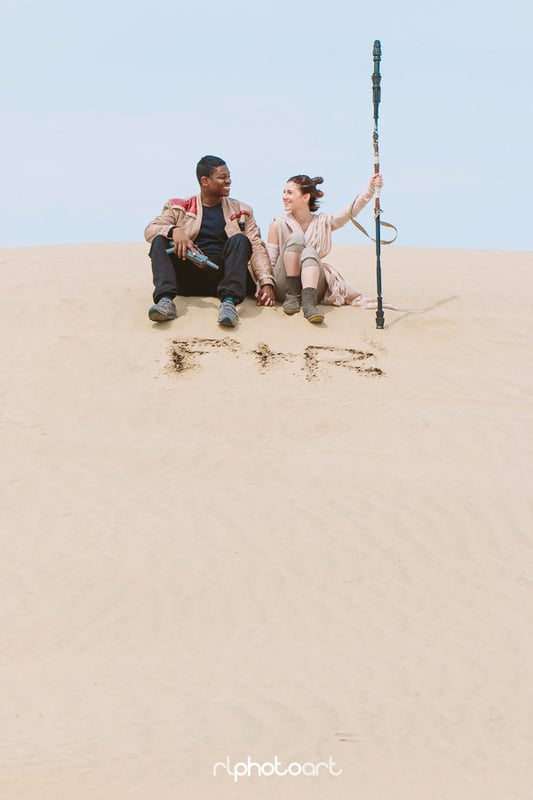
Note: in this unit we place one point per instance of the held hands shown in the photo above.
(265, 295)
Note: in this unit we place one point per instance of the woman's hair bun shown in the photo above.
(308, 186)
(315, 182)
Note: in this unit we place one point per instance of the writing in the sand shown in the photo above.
(186, 354)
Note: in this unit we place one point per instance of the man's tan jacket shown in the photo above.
(187, 216)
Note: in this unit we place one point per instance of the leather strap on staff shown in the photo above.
(384, 225)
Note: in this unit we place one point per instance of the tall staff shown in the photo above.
(376, 97)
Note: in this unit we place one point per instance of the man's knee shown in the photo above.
(159, 244)
(239, 241)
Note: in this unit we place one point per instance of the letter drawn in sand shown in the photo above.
(348, 357)
(185, 354)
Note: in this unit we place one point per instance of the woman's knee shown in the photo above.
(295, 243)
(309, 257)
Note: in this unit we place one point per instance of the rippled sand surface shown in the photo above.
(286, 540)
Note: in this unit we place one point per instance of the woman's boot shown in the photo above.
(293, 294)
(311, 312)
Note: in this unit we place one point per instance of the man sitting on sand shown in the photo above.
(223, 230)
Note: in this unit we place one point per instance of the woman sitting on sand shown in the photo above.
(298, 241)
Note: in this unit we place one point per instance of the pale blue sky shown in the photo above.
(106, 107)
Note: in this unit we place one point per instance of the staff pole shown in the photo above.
(376, 97)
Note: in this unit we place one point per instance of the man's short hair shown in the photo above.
(206, 165)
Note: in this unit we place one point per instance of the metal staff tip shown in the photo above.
(376, 80)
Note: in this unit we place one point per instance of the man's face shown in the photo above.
(218, 183)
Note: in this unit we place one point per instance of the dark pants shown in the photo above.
(173, 275)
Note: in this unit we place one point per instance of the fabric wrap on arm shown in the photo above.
(340, 218)
(273, 253)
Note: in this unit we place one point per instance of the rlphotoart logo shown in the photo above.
(245, 769)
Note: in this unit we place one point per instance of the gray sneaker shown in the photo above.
(292, 303)
(163, 310)
(227, 314)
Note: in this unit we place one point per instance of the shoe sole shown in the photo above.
(156, 316)
(315, 318)
(290, 311)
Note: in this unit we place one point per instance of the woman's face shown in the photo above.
(293, 199)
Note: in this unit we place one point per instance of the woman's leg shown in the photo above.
(287, 274)
(313, 284)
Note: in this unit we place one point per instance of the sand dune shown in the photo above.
(291, 540)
